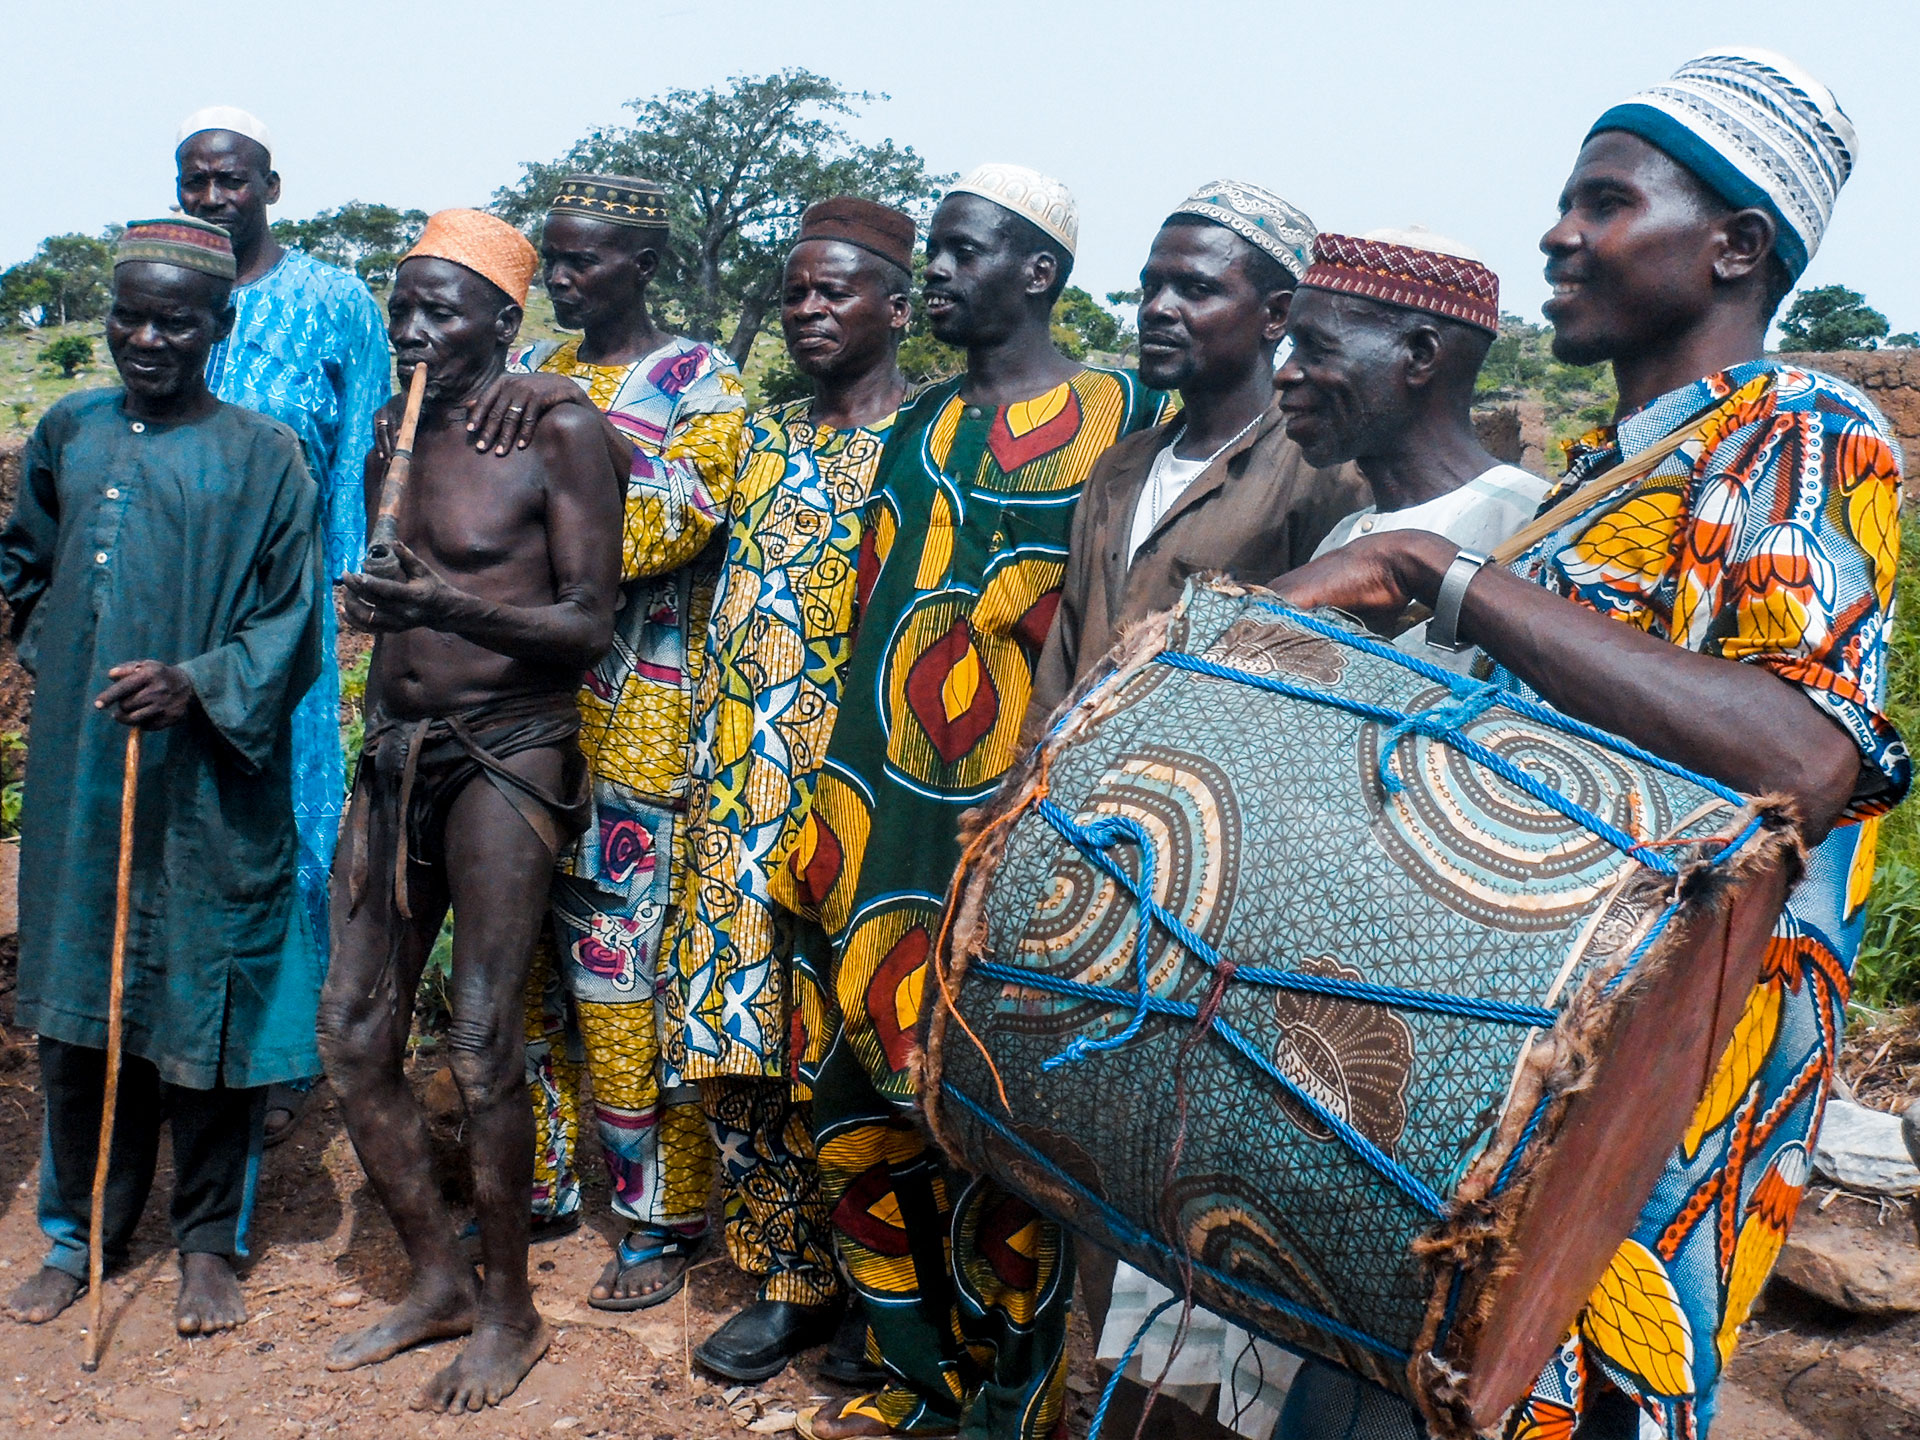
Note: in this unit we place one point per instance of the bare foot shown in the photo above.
(490, 1369)
(44, 1296)
(210, 1296)
(424, 1315)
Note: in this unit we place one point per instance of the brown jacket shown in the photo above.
(1256, 512)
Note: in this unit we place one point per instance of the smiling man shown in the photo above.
(959, 576)
(163, 568)
(470, 783)
(1389, 332)
(1730, 613)
(754, 1017)
(1219, 488)
(672, 411)
(307, 348)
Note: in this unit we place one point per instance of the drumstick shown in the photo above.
(381, 559)
(116, 1005)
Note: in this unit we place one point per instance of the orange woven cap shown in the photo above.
(485, 244)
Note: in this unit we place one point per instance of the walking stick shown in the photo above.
(116, 997)
(381, 561)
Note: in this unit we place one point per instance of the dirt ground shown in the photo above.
(328, 1260)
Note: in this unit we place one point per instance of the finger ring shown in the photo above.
(516, 409)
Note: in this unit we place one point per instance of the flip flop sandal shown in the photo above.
(287, 1101)
(805, 1422)
(651, 1247)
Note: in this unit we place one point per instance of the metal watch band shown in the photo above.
(1443, 631)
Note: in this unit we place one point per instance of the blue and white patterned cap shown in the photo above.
(1758, 131)
(1259, 217)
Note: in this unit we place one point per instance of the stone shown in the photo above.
(9, 888)
(1863, 1149)
(1843, 1257)
(345, 1299)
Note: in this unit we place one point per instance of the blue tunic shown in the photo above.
(309, 348)
(192, 544)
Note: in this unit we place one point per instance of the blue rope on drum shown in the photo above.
(1130, 1234)
(1440, 723)
(1444, 723)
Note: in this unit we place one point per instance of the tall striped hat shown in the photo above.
(177, 240)
(1757, 130)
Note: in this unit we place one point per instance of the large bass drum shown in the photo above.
(1361, 1001)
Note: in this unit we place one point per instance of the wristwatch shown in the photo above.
(1443, 631)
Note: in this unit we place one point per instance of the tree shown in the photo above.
(368, 239)
(740, 162)
(1831, 317)
(69, 279)
(1905, 340)
(69, 352)
(1082, 324)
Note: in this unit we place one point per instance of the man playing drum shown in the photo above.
(1754, 574)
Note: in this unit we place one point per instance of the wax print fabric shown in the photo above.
(966, 1288)
(777, 1226)
(681, 408)
(777, 651)
(193, 544)
(309, 349)
(1771, 540)
(963, 559)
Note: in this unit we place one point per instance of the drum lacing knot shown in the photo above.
(1440, 722)
(1101, 834)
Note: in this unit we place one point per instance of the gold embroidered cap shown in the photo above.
(616, 199)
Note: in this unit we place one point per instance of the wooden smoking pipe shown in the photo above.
(382, 561)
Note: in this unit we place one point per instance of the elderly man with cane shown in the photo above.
(163, 571)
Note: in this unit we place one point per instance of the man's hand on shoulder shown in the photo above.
(510, 409)
(422, 600)
(148, 694)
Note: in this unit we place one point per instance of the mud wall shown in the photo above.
(1889, 378)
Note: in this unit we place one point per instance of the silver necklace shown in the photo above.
(1158, 477)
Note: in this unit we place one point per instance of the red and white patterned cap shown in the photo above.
(1410, 267)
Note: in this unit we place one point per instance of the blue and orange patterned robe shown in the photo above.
(1770, 540)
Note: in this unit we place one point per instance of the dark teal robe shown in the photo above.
(196, 545)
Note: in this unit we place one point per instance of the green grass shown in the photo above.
(28, 384)
(1888, 970)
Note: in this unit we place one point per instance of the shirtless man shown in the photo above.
(470, 782)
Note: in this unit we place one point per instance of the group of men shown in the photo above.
(677, 711)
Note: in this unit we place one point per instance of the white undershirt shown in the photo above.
(1167, 480)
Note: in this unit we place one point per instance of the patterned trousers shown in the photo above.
(966, 1295)
(651, 1130)
(778, 1226)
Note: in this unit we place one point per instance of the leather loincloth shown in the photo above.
(411, 772)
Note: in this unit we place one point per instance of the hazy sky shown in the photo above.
(1462, 116)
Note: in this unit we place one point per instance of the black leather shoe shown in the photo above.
(757, 1343)
(846, 1358)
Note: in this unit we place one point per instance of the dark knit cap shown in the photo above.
(878, 229)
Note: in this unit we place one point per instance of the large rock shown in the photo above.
(1846, 1258)
(1863, 1149)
